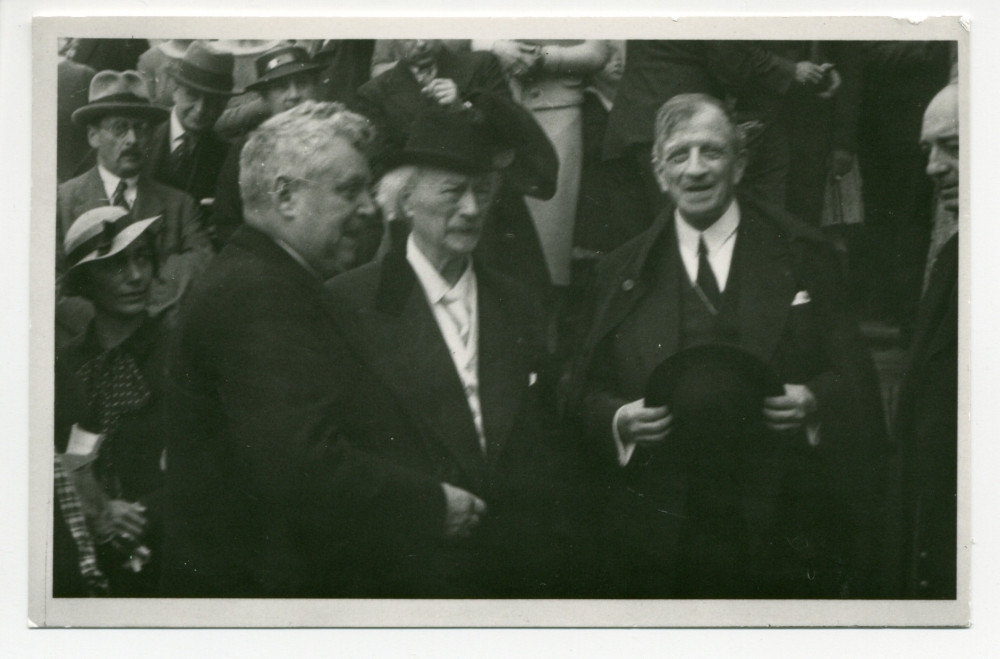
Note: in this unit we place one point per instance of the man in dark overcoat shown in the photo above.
(460, 390)
(714, 269)
(265, 494)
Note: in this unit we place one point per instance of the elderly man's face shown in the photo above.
(287, 92)
(121, 143)
(196, 110)
(939, 138)
(699, 167)
(328, 211)
(447, 210)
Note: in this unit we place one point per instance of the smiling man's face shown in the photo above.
(699, 166)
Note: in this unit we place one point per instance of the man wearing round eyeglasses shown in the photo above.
(119, 120)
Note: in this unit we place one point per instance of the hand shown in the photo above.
(790, 411)
(841, 162)
(462, 511)
(517, 59)
(126, 518)
(644, 426)
(442, 90)
(833, 79)
(807, 72)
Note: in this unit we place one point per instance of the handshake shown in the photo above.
(463, 511)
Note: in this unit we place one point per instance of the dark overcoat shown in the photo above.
(415, 414)
(637, 326)
(198, 178)
(266, 496)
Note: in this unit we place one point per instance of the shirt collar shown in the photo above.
(434, 285)
(715, 236)
(176, 129)
(110, 181)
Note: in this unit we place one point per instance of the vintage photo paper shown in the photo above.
(49, 34)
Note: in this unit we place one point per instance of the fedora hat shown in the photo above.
(102, 232)
(118, 92)
(205, 69)
(281, 62)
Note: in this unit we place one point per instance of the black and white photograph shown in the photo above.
(512, 325)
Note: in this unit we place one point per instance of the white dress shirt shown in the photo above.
(456, 310)
(720, 239)
(110, 182)
(176, 131)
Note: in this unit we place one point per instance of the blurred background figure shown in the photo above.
(185, 152)
(155, 65)
(73, 83)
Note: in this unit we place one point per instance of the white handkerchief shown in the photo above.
(532, 379)
(802, 297)
(82, 442)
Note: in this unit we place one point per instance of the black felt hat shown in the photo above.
(456, 140)
(206, 69)
(715, 392)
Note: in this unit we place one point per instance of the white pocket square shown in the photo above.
(532, 379)
(802, 297)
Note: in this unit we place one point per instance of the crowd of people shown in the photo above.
(505, 319)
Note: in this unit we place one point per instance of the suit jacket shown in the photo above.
(266, 495)
(926, 431)
(417, 415)
(637, 326)
(181, 244)
(199, 180)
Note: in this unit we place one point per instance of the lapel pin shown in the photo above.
(628, 285)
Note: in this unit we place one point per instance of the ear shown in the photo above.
(93, 133)
(284, 197)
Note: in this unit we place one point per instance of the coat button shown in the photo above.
(923, 554)
(924, 583)
(628, 285)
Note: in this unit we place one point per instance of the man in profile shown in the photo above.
(266, 497)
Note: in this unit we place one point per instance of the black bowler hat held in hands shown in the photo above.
(715, 392)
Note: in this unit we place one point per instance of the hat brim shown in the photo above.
(663, 382)
(290, 70)
(441, 160)
(89, 114)
(126, 237)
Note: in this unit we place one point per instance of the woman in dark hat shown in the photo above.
(108, 403)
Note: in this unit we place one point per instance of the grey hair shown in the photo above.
(680, 109)
(294, 145)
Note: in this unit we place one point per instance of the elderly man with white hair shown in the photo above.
(458, 388)
(266, 497)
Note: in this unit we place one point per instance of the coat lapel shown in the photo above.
(763, 268)
(503, 369)
(403, 344)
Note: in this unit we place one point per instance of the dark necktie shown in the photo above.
(706, 278)
(180, 158)
(118, 198)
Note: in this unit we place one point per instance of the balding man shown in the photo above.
(265, 497)
(926, 422)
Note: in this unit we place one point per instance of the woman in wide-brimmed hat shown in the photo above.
(108, 401)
